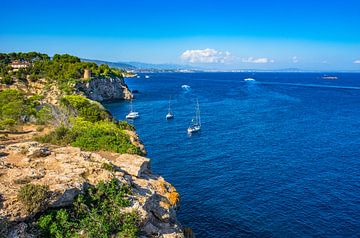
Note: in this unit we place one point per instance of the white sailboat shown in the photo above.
(196, 123)
(170, 114)
(132, 114)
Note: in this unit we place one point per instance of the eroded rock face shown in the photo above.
(67, 171)
(105, 89)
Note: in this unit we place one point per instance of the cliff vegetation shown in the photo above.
(67, 167)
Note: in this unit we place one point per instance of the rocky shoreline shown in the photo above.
(67, 171)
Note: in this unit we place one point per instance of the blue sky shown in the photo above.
(226, 34)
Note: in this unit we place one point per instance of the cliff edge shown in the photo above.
(64, 160)
(68, 171)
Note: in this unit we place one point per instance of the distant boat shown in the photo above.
(170, 114)
(186, 87)
(132, 114)
(196, 122)
(147, 76)
(249, 79)
(327, 77)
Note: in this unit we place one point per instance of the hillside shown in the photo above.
(67, 167)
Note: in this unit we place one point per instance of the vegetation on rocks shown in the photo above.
(85, 108)
(65, 70)
(16, 108)
(93, 136)
(86, 124)
(99, 212)
(33, 197)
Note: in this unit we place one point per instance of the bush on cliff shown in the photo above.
(85, 108)
(33, 197)
(96, 213)
(89, 136)
(12, 104)
(16, 108)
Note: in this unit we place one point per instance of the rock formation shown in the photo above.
(105, 89)
(67, 171)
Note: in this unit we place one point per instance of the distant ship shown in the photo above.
(147, 76)
(327, 77)
(249, 79)
(185, 87)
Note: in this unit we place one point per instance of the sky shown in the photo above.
(226, 34)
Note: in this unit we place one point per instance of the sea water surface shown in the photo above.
(276, 157)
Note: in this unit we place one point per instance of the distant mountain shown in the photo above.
(142, 67)
(112, 64)
(149, 66)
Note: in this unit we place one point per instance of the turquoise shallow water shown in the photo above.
(278, 157)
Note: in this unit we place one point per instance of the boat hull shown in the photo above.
(193, 129)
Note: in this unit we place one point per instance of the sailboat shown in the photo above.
(170, 114)
(196, 123)
(132, 114)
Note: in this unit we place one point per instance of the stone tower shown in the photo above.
(87, 74)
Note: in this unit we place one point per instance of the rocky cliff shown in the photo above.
(105, 89)
(67, 171)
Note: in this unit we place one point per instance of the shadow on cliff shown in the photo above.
(3, 220)
(1, 201)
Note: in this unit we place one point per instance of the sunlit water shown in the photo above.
(278, 157)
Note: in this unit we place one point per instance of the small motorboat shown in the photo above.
(249, 79)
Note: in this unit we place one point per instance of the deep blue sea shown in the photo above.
(278, 157)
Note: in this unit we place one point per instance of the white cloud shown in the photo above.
(205, 56)
(295, 59)
(357, 62)
(257, 60)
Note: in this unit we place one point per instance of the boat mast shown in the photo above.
(170, 105)
(198, 120)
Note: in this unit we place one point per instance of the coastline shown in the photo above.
(68, 171)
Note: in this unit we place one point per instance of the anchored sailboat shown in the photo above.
(132, 114)
(170, 114)
(196, 122)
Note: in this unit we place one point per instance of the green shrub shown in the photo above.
(7, 79)
(97, 213)
(85, 108)
(15, 107)
(60, 136)
(124, 125)
(8, 124)
(101, 135)
(108, 167)
(12, 104)
(44, 115)
(33, 197)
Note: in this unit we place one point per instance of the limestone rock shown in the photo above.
(67, 171)
(105, 89)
